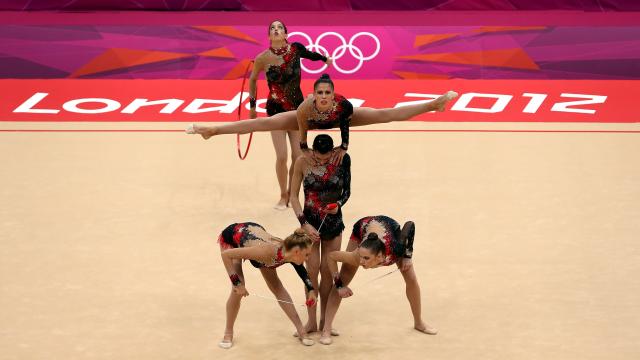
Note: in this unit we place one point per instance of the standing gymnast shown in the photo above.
(327, 188)
(281, 64)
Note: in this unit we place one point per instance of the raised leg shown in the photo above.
(282, 121)
(368, 116)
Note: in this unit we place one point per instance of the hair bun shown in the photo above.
(298, 238)
(323, 143)
(372, 236)
(325, 76)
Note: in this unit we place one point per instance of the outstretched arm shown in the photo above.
(351, 258)
(249, 253)
(240, 253)
(311, 55)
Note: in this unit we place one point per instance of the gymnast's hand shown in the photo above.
(331, 209)
(329, 62)
(345, 292)
(252, 113)
(315, 235)
(240, 290)
(312, 298)
(405, 264)
(308, 154)
(337, 155)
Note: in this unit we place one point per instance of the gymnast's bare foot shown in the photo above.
(205, 131)
(424, 328)
(227, 341)
(325, 338)
(439, 103)
(334, 332)
(309, 328)
(283, 204)
(305, 339)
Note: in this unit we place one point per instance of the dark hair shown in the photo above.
(298, 238)
(324, 79)
(323, 143)
(283, 25)
(374, 244)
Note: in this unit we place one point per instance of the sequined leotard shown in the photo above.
(284, 79)
(339, 115)
(236, 236)
(323, 185)
(387, 229)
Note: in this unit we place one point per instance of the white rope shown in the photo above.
(274, 299)
(380, 277)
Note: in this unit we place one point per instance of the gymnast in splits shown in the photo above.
(250, 241)
(281, 65)
(375, 241)
(324, 110)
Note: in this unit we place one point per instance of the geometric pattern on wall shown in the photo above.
(217, 52)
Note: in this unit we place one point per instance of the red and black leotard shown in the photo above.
(323, 185)
(284, 79)
(236, 235)
(388, 230)
(339, 115)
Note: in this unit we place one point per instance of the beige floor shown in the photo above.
(528, 246)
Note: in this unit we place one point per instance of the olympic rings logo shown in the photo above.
(340, 51)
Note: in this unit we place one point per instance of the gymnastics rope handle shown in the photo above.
(244, 80)
(328, 207)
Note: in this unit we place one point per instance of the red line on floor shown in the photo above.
(398, 130)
